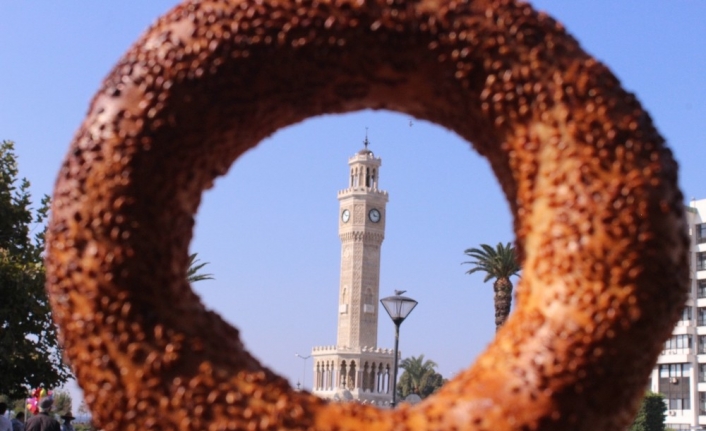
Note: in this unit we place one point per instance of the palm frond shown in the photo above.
(498, 262)
(192, 273)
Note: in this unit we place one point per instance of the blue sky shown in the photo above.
(269, 228)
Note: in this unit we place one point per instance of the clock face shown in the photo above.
(374, 215)
(345, 216)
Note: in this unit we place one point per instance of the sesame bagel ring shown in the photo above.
(592, 187)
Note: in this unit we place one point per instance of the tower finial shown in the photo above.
(366, 142)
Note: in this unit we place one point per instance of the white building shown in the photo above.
(355, 369)
(680, 374)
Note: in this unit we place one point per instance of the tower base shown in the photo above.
(345, 374)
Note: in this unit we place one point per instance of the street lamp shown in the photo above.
(398, 307)
(304, 370)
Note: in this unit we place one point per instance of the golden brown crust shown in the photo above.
(598, 215)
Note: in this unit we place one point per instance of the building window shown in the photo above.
(702, 344)
(679, 404)
(701, 288)
(702, 373)
(674, 383)
(701, 261)
(664, 371)
(701, 316)
(679, 427)
(674, 371)
(679, 344)
(702, 403)
(701, 233)
(686, 314)
(679, 370)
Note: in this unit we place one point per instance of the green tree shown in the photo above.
(18, 405)
(30, 355)
(419, 377)
(62, 403)
(499, 263)
(83, 409)
(193, 274)
(650, 416)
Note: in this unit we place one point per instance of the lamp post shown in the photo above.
(398, 307)
(304, 370)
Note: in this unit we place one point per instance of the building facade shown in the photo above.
(680, 373)
(355, 369)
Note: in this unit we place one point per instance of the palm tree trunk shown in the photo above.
(503, 300)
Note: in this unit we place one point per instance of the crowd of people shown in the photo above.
(42, 421)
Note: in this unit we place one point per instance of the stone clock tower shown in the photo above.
(361, 228)
(356, 369)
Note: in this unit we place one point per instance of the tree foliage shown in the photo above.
(499, 263)
(193, 273)
(419, 377)
(29, 351)
(62, 403)
(651, 415)
(83, 409)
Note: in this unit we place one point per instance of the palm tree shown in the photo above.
(192, 274)
(419, 377)
(499, 263)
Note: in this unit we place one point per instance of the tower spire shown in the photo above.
(366, 142)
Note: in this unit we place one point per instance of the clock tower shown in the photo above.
(361, 228)
(355, 369)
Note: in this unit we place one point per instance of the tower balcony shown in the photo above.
(362, 191)
(323, 350)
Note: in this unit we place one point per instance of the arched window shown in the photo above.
(342, 383)
(368, 305)
(343, 306)
(352, 381)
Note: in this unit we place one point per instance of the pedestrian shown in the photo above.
(5, 424)
(43, 421)
(18, 422)
(66, 426)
